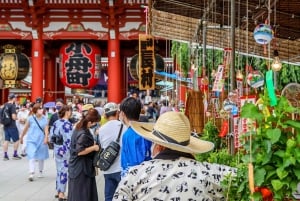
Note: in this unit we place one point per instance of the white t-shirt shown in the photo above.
(107, 133)
(22, 118)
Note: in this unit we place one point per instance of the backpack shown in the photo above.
(5, 117)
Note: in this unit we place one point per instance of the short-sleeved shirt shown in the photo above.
(108, 133)
(135, 149)
(12, 110)
(173, 179)
(80, 140)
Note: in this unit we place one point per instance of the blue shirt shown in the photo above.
(135, 149)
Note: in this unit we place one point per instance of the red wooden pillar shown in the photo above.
(182, 93)
(37, 53)
(4, 95)
(114, 69)
(50, 73)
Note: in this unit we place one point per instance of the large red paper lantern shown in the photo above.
(79, 65)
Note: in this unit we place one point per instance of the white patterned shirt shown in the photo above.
(176, 180)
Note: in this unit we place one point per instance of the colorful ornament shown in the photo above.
(266, 193)
(255, 79)
(263, 34)
(204, 84)
(224, 129)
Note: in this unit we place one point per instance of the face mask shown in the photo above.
(95, 126)
(58, 107)
(154, 151)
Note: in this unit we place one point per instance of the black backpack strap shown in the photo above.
(121, 128)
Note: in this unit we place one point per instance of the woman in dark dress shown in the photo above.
(82, 182)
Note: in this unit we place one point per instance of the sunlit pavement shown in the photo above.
(15, 186)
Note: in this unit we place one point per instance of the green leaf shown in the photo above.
(295, 124)
(290, 144)
(281, 173)
(249, 110)
(277, 184)
(280, 153)
(297, 173)
(274, 134)
(259, 176)
(289, 161)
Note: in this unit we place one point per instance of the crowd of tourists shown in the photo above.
(155, 161)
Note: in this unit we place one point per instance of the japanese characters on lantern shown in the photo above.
(14, 66)
(79, 65)
(146, 62)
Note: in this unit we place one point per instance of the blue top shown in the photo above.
(35, 147)
(135, 149)
(64, 128)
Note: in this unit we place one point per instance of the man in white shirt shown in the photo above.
(173, 174)
(108, 133)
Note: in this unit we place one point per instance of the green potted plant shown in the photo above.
(272, 146)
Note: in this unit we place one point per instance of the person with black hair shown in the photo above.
(135, 149)
(58, 104)
(10, 130)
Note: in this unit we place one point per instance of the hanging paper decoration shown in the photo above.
(79, 65)
(227, 61)
(219, 80)
(236, 130)
(244, 124)
(239, 83)
(263, 34)
(14, 66)
(270, 88)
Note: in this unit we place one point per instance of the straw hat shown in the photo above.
(172, 130)
(86, 107)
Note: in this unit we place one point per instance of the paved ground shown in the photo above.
(14, 184)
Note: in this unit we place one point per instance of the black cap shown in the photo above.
(11, 96)
(38, 100)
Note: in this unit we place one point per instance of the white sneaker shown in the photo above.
(40, 175)
(30, 178)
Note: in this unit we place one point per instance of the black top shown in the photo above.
(12, 110)
(151, 111)
(53, 118)
(80, 140)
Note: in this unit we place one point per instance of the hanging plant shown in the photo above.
(181, 53)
